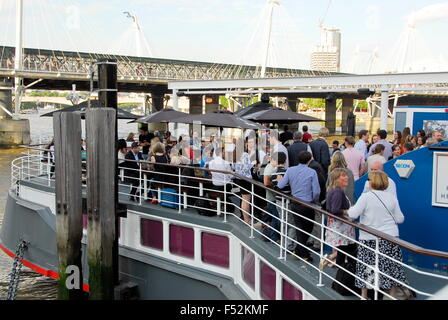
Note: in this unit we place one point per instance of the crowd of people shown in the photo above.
(303, 167)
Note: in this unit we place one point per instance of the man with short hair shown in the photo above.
(362, 143)
(297, 147)
(277, 146)
(305, 187)
(353, 157)
(378, 166)
(387, 145)
(220, 180)
(377, 156)
(408, 147)
(145, 138)
(437, 135)
(306, 136)
(321, 151)
(334, 147)
(285, 135)
(131, 172)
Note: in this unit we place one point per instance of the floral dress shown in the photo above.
(336, 202)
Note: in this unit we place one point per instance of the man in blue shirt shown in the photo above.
(304, 187)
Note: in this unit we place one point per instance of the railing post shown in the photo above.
(376, 270)
(28, 164)
(140, 183)
(185, 200)
(322, 230)
(49, 167)
(179, 193)
(282, 229)
(218, 206)
(201, 189)
(251, 212)
(225, 201)
(145, 186)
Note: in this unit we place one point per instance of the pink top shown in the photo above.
(355, 161)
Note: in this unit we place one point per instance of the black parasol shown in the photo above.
(219, 118)
(81, 108)
(278, 115)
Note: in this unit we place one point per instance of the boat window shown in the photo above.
(182, 241)
(248, 267)
(267, 282)
(290, 292)
(151, 233)
(215, 249)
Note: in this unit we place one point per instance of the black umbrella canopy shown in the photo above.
(262, 105)
(81, 108)
(278, 115)
(219, 118)
(164, 115)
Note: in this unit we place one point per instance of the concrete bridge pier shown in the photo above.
(292, 101)
(196, 103)
(330, 113)
(12, 132)
(153, 103)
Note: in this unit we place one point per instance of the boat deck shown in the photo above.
(296, 269)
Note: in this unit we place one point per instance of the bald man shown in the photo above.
(438, 136)
(378, 166)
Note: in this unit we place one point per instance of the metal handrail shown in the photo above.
(402, 243)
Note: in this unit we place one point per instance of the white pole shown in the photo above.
(18, 54)
(384, 107)
(268, 40)
(175, 99)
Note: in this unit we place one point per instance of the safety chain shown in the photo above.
(16, 268)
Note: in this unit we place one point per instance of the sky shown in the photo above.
(233, 31)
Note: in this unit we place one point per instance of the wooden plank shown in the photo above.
(67, 138)
(101, 201)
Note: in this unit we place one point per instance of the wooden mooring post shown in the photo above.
(102, 186)
(101, 201)
(67, 139)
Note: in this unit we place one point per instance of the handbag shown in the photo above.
(347, 279)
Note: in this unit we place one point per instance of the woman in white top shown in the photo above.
(379, 210)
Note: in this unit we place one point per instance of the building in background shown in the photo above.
(327, 55)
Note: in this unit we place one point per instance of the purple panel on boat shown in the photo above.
(248, 267)
(215, 249)
(182, 241)
(151, 233)
(84, 221)
(267, 282)
(290, 292)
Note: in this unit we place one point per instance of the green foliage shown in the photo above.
(314, 103)
(128, 105)
(47, 94)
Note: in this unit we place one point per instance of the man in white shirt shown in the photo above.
(378, 166)
(220, 180)
(277, 146)
(361, 145)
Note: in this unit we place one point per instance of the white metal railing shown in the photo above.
(187, 189)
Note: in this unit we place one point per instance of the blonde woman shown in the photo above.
(336, 203)
(379, 210)
(338, 161)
